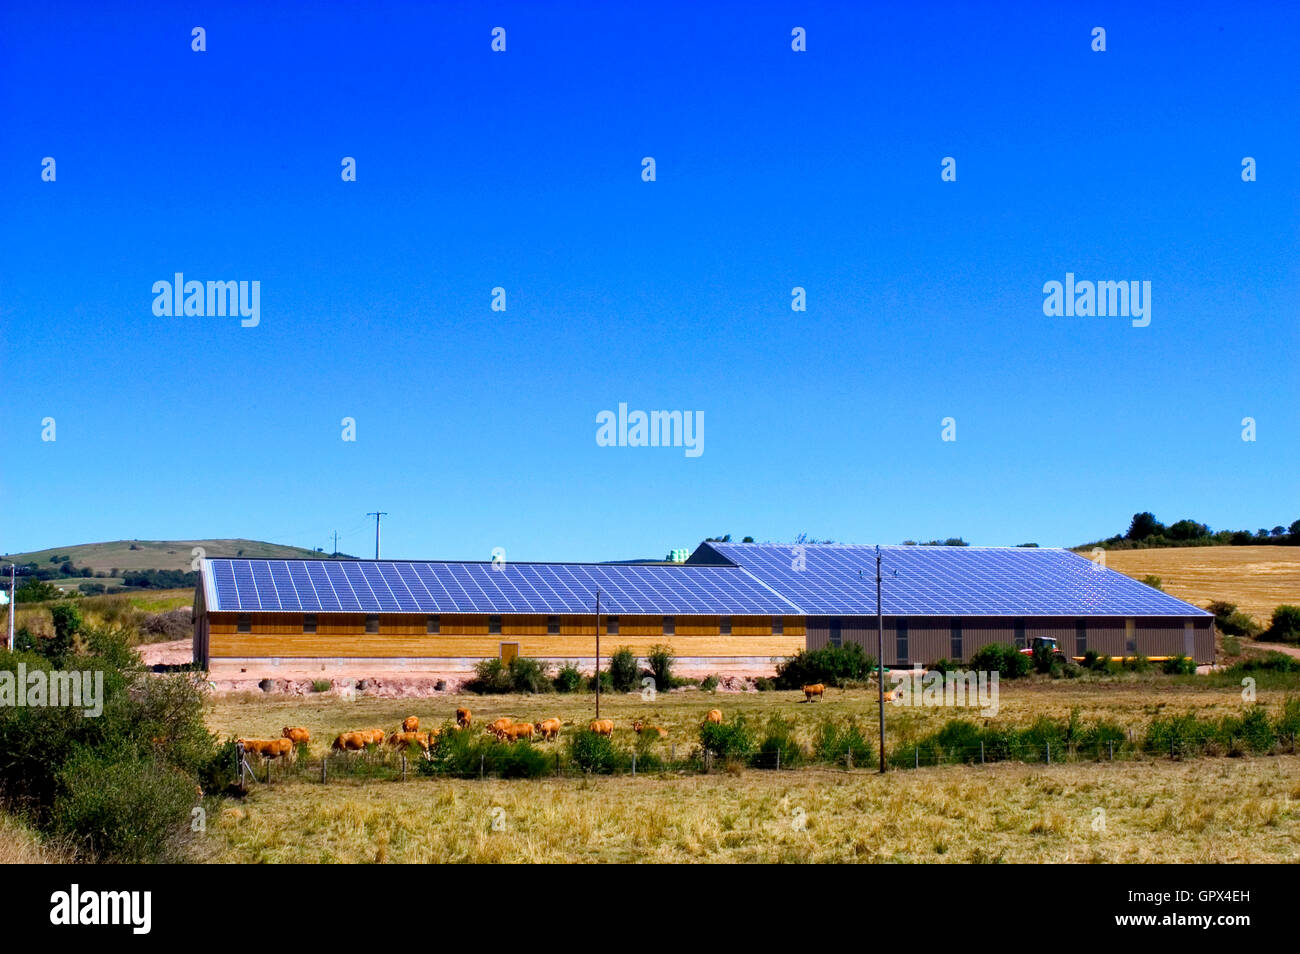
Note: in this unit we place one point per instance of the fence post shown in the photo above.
(917, 762)
(981, 751)
(634, 765)
(324, 760)
(239, 763)
(480, 766)
(1049, 753)
(1111, 743)
(268, 771)
(672, 752)
(778, 758)
(403, 766)
(848, 759)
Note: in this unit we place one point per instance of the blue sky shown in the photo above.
(476, 429)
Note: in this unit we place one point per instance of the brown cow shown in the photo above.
(816, 689)
(464, 718)
(350, 741)
(268, 748)
(411, 724)
(519, 730)
(499, 726)
(603, 727)
(714, 715)
(375, 736)
(548, 728)
(403, 739)
(296, 734)
(640, 728)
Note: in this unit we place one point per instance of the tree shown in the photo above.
(1144, 525)
(67, 624)
(36, 591)
(1187, 530)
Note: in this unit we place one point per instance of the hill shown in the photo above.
(158, 554)
(1257, 579)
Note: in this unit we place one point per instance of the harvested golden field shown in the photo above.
(1204, 811)
(1257, 579)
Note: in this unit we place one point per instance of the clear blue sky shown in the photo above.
(821, 169)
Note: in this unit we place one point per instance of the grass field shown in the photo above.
(1257, 579)
(1223, 810)
(158, 554)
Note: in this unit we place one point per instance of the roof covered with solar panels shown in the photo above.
(399, 586)
(840, 579)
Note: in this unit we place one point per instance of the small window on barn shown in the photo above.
(243, 623)
(433, 625)
(957, 645)
(1020, 634)
(372, 623)
(901, 649)
(724, 626)
(835, 631)
(1080, 637)
(494, 625)
(309, 623)
(778, 625)
(553, 625)
(611, 625)
(670, 625)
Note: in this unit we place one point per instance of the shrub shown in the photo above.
(321, 685)
(568, 679)
(709, 682)
(592, 752)
(764, 684)
(1153, 581)
(606, 681)
(833, 743)
(1231, 646)
(1285, 625)
(728, 740)
(778, 739)
(172, 625)
(1043, 657)
(1231, 622)
(945, 665)
(523, 760)
(832, 666)
(521, 674)
(660, 659)
(1179, 665)
(1007, 661)
(623, 670)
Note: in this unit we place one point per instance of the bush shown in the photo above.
(728, 740)
(162, 627)
(523, 760)
(623, 670)
(568, 679)
(592, 752)
(1232, 622)
(1007, 661)
(660, 659)
(1153, 581)
(492, 676)
(709, 682)
(1269, 662)
(833, 742)
(321, 685)
(1043, 657)
(1179, 665)
(606, 681)
(1231, 646)
(764, 684)
(945, 666)
(1285, 626)
(778, 740)
(832, 666)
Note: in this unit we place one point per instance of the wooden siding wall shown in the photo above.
(930, 638)
(467, 636)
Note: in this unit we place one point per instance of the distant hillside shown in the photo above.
(1257, 579)
(157, 554)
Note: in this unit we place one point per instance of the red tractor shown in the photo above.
(1045, 644)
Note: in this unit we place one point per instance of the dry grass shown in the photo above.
(19, 845)
(1257, 579)
(1239, 810)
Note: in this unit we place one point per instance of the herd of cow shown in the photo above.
(505, 729)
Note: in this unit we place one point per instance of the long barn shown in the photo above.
(729, 603)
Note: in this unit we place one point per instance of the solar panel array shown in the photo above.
(840, 579)
(344, 586)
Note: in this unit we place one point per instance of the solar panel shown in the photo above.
(840, 579)
(332, 586)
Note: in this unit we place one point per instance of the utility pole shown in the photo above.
(13, 609)
(880, 659)
(376, 514)
(336, 544)
(598, 654)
